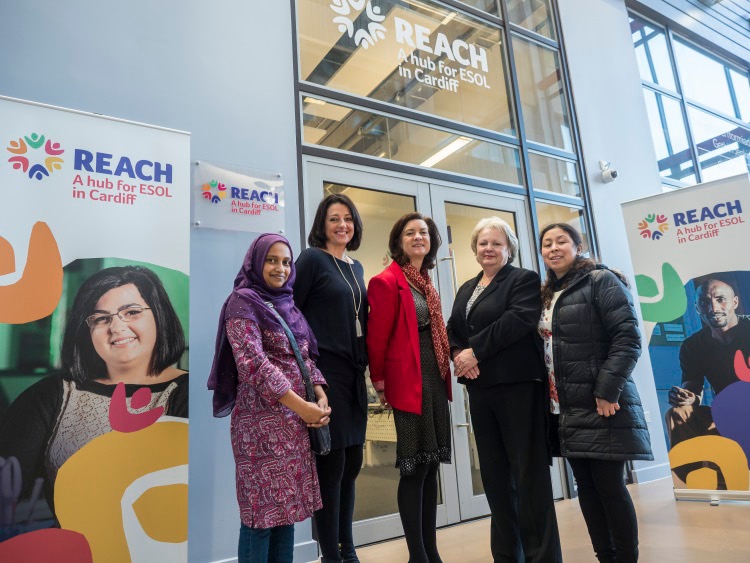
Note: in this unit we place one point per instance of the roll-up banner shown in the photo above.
(94, 258)
(690, 253)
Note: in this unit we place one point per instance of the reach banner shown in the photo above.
(689, 251)
(94, 264)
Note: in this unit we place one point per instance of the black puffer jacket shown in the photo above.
(596, 344)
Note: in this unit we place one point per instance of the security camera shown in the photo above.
(609, 175)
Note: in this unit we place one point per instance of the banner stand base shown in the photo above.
(711, 496)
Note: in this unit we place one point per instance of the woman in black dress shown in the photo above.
(330, 291)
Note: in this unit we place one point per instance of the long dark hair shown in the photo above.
(581, 264)
(394, 240)
(78, 355)
(317, 236)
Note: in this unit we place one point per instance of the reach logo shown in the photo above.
(35, 155)
(350, 10)
(214, 191)
(653, 226)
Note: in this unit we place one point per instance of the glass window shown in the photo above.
(340, 127)
(670, 137)
(741, 85)
(542, 96)
(489, 6)
(652, 53)
(703, 78)
(548, 213)
(554, 175)
(723, 146)
(534, 15)
(411, 53)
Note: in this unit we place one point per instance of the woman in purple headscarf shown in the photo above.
(255, 376)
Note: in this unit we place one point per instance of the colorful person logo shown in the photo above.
(345, 20)
(214, 191)
(653, 226)
(34, 156)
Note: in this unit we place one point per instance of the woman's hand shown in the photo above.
(605, 408)
(466, 364)
(383, 403)
(317, 414)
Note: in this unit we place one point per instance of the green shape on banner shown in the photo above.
(646, 286)
(673, 303)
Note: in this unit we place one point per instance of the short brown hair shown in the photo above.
(394, 240)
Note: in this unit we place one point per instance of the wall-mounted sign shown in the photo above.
(237, 200)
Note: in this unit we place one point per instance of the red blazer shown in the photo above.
(393, 340)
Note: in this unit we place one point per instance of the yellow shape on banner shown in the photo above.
(725, 453)
(149, 507)
(704, 478)
(90, 485)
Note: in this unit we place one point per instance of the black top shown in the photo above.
(703, 356)
(500, 327)
(326, 301)
(27, 426)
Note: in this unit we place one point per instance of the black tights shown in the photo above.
(337, 473)
(417, 505)
(607, 509)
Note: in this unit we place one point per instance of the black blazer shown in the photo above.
(501, 327)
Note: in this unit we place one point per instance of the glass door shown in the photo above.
(456, 211)
(381, 199)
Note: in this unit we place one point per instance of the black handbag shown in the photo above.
(320, 438)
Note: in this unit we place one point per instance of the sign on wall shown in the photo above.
(94, 262)
(693, 280)
(236, 200)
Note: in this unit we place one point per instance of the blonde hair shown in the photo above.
(497, 224)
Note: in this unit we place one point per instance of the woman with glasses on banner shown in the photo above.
(496, 355)
(330, 291)
(410, 369)
(591, 345)
(121, 328)
(256, 377)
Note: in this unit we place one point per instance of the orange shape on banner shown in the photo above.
(37, 293)
(52, 544)
(704, 478)
(90, 486)
(148, 509)
(725, 453)
(7, 258)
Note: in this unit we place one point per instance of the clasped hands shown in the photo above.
(319, 413)
(466, 364)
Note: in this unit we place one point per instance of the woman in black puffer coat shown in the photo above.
(591, 345)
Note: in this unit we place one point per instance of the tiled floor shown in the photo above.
(670, 531)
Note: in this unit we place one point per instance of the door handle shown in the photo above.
(463, 425)
(454, 275)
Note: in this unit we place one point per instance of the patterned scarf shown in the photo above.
(421, 281)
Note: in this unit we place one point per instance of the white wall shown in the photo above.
(221, 70)
(614, 127)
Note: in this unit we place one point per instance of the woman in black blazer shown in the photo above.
(495, 350)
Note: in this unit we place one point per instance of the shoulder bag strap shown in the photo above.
(309, 391)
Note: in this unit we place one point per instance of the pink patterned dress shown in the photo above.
(277, 483)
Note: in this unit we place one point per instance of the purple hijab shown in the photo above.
(248, 301)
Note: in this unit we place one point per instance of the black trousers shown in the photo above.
(337, 473)
(510, 431)
(607, 509)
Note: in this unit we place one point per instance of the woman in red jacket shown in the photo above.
(407, 346)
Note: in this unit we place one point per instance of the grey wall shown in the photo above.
(614, 127)
(221, 70)
(724, 24)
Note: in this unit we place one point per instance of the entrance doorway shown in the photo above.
(381, 199)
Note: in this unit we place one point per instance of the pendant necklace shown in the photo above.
(357, 306)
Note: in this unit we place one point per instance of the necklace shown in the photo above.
(357, 306)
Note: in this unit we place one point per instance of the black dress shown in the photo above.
(424, 438)
(325, 298)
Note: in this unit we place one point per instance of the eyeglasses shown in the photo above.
(127, 315)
